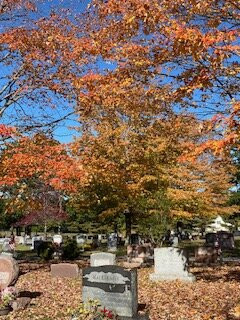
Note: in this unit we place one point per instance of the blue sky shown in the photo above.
(63, 132)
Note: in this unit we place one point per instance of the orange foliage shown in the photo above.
(133, 160)
(43, 159)
(6, 131)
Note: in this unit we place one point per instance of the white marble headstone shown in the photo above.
(102, 259)
(58, 239)
(170, 264)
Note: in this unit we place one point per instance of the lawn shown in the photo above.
(214, 293)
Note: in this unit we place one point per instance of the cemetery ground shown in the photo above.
(216, 291)
(212, 297)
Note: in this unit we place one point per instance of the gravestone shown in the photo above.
(140, 253)
(36, 241)
(135, 239)
(112, 242)
(6, 247)
(9, 271)
(170, 264)
(20, 240)
(226, 240)
(175, 241)
(65, 270)
(81, 239)
(102, 259)
(28, 241)
(222, 239)
(207, 254)
(20, 303)
(57, 239)
(114, 287)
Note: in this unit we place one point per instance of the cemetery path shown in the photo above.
(211, 297)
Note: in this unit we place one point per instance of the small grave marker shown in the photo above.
(65, 270)
(102, 259)
(58, 239)
(112, 242)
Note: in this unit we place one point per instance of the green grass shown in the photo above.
(23, 247)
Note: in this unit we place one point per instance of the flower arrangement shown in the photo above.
(92, 311)
(7, 296)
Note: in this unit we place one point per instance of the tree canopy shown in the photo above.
(153, 87)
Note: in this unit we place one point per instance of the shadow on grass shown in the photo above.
(29, 294)
(26, 267)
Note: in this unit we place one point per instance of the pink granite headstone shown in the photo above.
(65, 270)
(9, 271)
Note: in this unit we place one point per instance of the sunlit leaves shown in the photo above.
(42, 158)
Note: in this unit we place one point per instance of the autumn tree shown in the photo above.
(35, 90)
(136, 172)
(183, 53)
(47, 206)
(179, 53)
(133, 60)
(35, 163)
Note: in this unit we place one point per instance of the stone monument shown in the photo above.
(170, 264)
(58, 239)
(9, 271)
(6, 247)
(102, 259)
(112, 242)
(65, 270)
(114, 287)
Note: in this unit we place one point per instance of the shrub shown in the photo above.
(45, 250)
(70, 250)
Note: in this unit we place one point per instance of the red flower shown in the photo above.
(107, 313)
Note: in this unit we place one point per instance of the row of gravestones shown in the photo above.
(169, 264)
(113, 286)
(116, 287)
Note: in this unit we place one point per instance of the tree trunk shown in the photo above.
(128, 221)
(45, 231)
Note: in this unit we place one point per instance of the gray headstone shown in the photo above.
(20, 303)
(175, 242)
(112, 242)
(20, 239)
(102, 259)
(6, 247)
(170, 264)
(114, 287)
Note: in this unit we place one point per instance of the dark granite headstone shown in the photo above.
(134, 239)
(221, 239)
(114, 287)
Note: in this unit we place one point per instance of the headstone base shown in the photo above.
(171, 277)
(144, 316)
